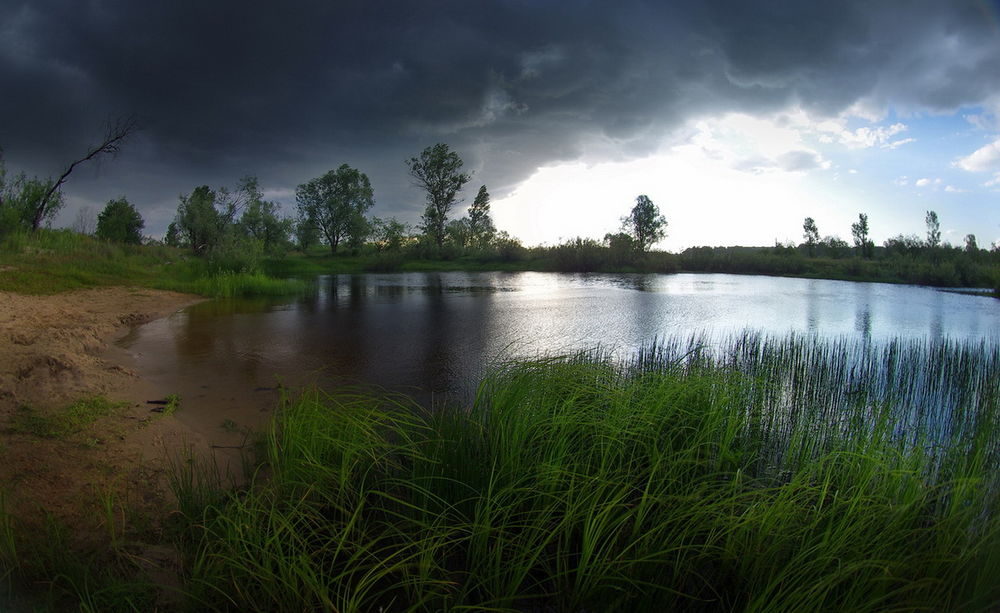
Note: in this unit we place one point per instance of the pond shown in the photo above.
(433, 334)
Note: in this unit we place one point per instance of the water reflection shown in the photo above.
(436, 332)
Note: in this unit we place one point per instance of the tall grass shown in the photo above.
(759, 475)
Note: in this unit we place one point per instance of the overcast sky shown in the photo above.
(737, 118)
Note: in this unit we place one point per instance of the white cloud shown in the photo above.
(954, 190)
(755, 145)
(902, 181)
(984, 159)
(994, 182)
(981, 121)
(923, 182)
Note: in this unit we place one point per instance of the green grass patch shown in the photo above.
(63, 422)
(761, 476)
(52, 261)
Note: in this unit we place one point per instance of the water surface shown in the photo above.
(434, 333)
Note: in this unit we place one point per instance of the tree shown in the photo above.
(200, 223)
(306, 233)
(438, 172)
(336, 203)
(933, 229)
(114, 137)
(19, 201)
(388, 234)
(120, 222)
(644, 224)
(459, 232)
(811, 234)
(971, 246)
(85, 223)
(859, 230)
(481, 228)
(173, 236)
(261, 222)
(207, 216)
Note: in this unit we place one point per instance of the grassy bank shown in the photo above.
(51, 261)
(764, 476)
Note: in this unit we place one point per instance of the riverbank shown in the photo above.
(80, 449)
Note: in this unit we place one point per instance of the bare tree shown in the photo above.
(86, 221)
(115, 135)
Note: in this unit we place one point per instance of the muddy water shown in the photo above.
(433, 334)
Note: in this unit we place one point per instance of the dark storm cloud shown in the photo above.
(226, 89)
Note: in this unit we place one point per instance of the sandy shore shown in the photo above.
(54, 350)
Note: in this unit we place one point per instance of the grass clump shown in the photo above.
(64, 422)
(739, 479)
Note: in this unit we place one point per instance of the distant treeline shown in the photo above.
(236, 231)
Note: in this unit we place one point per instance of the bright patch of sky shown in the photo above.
(738, 179)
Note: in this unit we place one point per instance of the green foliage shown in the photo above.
(50, 261)
(262, 223)
(438, 172)
(859, 230)
(336, 204)
(198, 220)
(481, 228)
(120, 222)
(811, 234)
(933, 230)
(20, 199)
(64, 422)
(306, 233)
(388, 234)
(684, 480)
(644, 224)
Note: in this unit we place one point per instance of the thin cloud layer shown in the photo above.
(226, 89)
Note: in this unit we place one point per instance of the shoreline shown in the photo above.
(60, 350)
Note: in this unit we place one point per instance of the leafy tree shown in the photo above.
(459, 232)
(438, 172)
(811, 234)
(336, 203)
(207, 216)
(200, 223)
(933, 229)
(859, 230)
(644, 224)
(173, 236)
(481, 228)
(622, 248)
(388, 234)
(904, 244)
(971, 246)
(19, 200)
(120, 222)
(306, 233)
(261, 222)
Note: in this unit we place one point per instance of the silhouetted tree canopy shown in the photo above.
(120, 222)
(336, 203)
(644, 224)
(811, 234)
(438, 172)
(933, 229)
(859, 230)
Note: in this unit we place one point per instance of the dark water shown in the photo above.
(434, 333)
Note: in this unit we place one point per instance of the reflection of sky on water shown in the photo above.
(438, 331)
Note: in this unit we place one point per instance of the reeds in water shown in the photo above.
(755, 475)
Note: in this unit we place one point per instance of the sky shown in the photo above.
(737, 118)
